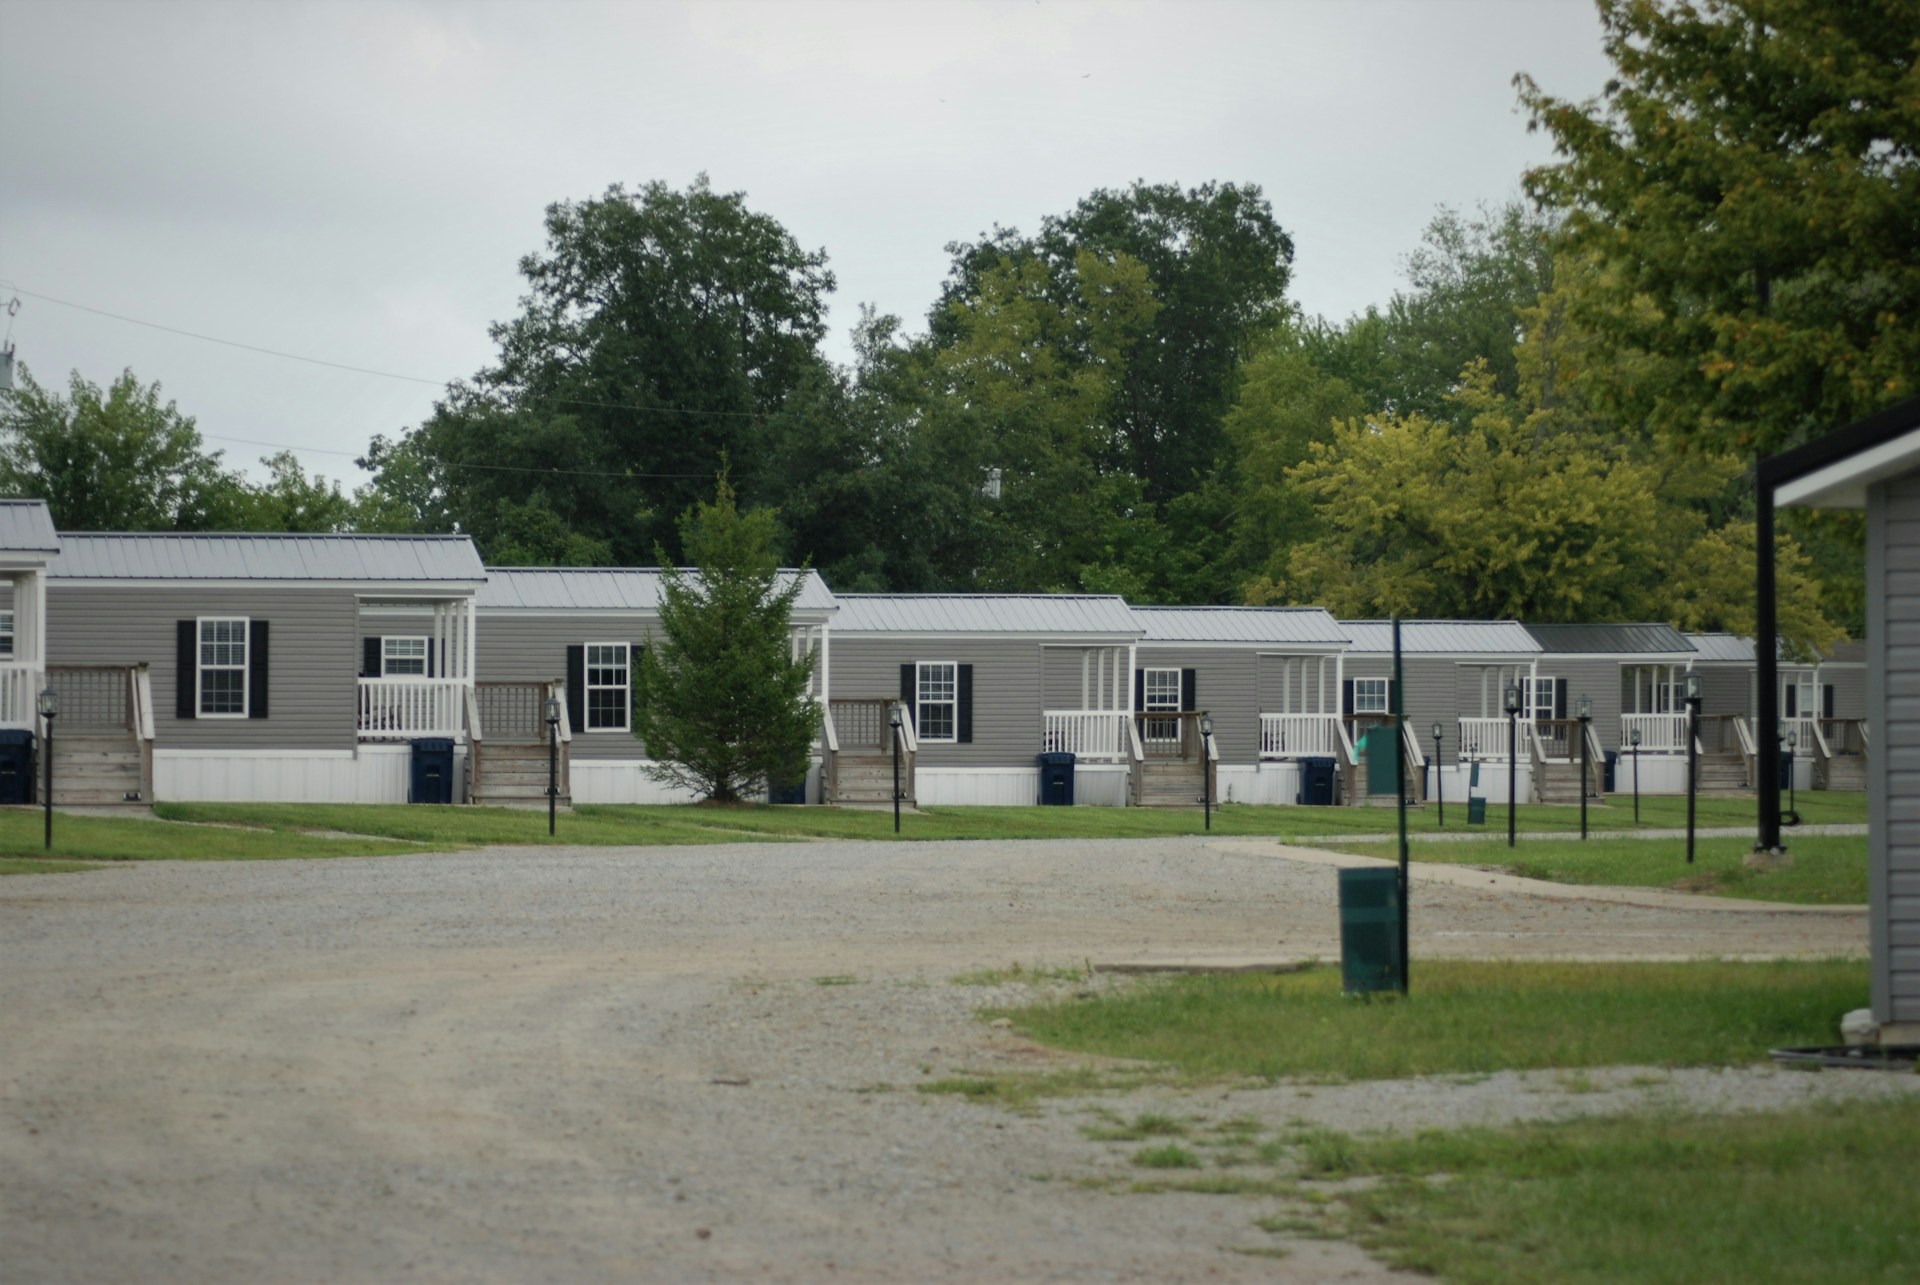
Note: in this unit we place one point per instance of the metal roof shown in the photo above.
(1240, 625)
(1729, 649)
(607, 589)
(1443, 637)
(383, 559)
(1066, 614)
(27, 527)
(1601, 640)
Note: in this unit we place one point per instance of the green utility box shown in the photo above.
(1383, 773)
(1370, 913)
(1476, 810)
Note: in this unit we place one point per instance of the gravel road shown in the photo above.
(623, 1064)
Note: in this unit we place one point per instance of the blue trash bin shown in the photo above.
(16, 766)
(432, 779)
(1613, 768)
(795, 793)
(1316, 783)
(1056, 779)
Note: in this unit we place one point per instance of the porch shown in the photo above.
(858, 752)
(1171, 763)
(423, 681)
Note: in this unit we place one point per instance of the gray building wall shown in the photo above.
(1006, 690)
(533, 649)
(1728, 689)
(1893, 768)
(1438, 689)
(313, 658)
(1226, 684)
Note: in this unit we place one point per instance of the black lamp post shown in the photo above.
(49, 706)
(1693, 756)
(1439, 780)
(894, 717)
(1206, 766)
(1513, 754)
(553, 760)
(1583, 710)
(1633, 739)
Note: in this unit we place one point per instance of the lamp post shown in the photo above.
(1793, 809)
(1693, 756)
(1583, 710)
(49, 706)
(1633, 739)
(1439, 780)
(894, 717)
(1206, 766)
(553, 760)
(1513, 753)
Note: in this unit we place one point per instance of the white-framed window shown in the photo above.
(222, 672)
(609, 686)
(936, 700)
(6, 635)
(1160, 692)
(1536, 699)
(403, 657)
(1370, 696)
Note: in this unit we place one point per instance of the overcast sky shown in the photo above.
(357, 183)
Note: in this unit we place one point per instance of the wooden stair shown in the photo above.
(98, 768)
(514, 774)
(1722, 773)
(1556, 782)
(1844, 772)
(1168, 783)
(868, 779)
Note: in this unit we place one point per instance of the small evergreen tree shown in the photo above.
(722, 704)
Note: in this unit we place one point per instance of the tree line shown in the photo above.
(1555, 418)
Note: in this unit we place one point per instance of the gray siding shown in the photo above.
(1227, 685)
(1437, 689)
(1006, 690)
(1893, 782)
(1727, 689)
(533, 649)
(313, 657)
(1849, 691)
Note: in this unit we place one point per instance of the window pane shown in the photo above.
(223, 691)
(935, 722)
(937, 682)
(1369, 695)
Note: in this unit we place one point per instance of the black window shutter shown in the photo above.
(577, 686)
(1189, 690)
(1560, 698)
(1139, 689)
(963, 693)
(910, 688)
(633, 681)
(1793, 700)
(433, 656)
(1826, 701)
(1346, 696)
(186, 669)
(256, 669)
(372, 661)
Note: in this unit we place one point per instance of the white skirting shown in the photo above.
(626, 781)
(1269, 783)
(1456, 780)
(981, 786)
(371, 774)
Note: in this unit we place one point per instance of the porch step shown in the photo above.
(514, 773)
(868, 778)
(97, 768)
(1846, 772)
(1723, 773)
(1168, 784)
(1556, 783)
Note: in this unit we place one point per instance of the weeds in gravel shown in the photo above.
(837, 979)
(1147, 1124)
(1462, 1017)
(1023, 1088)
(1016, 974)
(1170, 1156)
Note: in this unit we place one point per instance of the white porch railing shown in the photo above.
(1486, 738)
(1299, 736)
(20, 686)
(1089, 733)
(1659, 733)
(396, 709)
(1807, 737)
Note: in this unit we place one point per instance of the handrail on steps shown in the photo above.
(1346, 743)
(142, 702)
(471, 701)
(828, 735)
(566, 721)
(912, 739)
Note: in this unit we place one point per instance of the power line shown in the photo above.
(367, 370)
(491, 468)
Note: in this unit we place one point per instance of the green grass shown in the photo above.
(1462, 1017)
(1827, 870)
(96, 838)
(1819, 1195)
(35, 866)
(1169, 1155)
(449, 827)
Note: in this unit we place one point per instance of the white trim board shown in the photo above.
(1843, 484)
